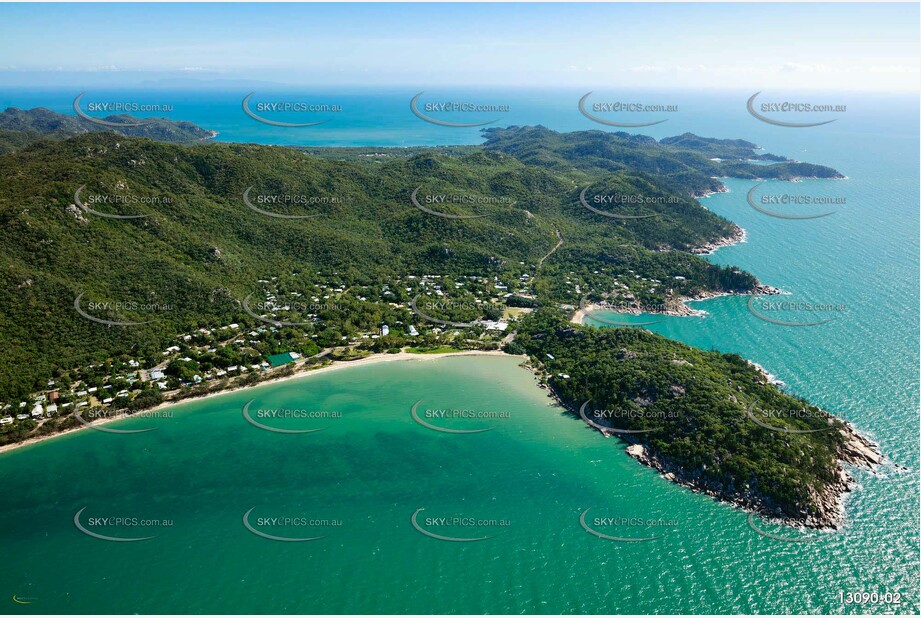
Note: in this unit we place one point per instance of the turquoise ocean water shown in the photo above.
(525, 483)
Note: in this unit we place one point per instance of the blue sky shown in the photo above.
(868, 47)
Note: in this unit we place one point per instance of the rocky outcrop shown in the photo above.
(826, 508)
(76, 212)
(737, 236)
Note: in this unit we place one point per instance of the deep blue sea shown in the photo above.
(862, 365)
(383, 117)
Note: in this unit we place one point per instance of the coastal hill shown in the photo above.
(689, 414)
(20, 127)
(199, 249)
(688, 163)
(164, 243)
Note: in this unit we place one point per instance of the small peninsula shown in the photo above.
(140, 269)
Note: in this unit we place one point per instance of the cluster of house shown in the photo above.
(484, 289)
(496, 285)
(47, 404)
(277, 304)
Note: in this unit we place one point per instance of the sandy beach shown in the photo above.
(739, 235)
(684, 311)
(372, 359)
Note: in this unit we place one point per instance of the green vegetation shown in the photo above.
(200, 251)
(684, 163)
(20, 127)
(216, 285)
(696, 405)
(442, 349)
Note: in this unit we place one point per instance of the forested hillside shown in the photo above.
(195, 247)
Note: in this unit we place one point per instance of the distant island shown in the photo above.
(145, 268)
(20, 127)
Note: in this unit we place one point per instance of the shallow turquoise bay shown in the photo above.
(537, 469)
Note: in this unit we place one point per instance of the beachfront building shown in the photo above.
(277, 360)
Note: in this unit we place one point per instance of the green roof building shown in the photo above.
(277, 360)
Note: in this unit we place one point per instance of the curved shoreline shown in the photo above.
(857, 451)
(371, 359)
(738, 235)
(684, 311)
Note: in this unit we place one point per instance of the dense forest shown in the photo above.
(181, 239)
(196, 248)
(686, 163)
(20, 127)
(690, 411)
